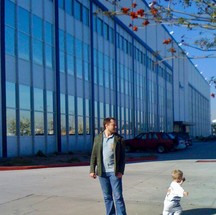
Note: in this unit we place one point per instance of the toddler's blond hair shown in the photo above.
(177, 175)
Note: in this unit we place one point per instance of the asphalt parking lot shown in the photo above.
(70, 190)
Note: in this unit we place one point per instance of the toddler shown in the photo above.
(175, 192)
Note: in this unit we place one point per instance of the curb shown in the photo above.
(129, 160)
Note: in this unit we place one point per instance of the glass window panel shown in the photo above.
(25, 123)
(80, 106)
(87, 107)
(63, 124)
(86, 71)
(63, 103)
(37, 52)
(96, 109)
(68, 6)
(48, 33)
(87, 124)
(49, 56)
(86, 16)
(11, 122)
(71, 124)
(77, 10)
(79, 48)
(39, 123)
(101, 110)
(70, 44)
(38, 99)
(23, 46)
(10, 95)
(71, 105)
(50, 124)
(80, 125)
(79, 67)
(70, 64)
(106, 31)
(61, 4)
(100, 26)
(101, 77)
(86, 52)
(10, 13)
(37, 27)
(24, 97)
(23, 20)
(61, 40)
(49, 101)
(62, 62)
(9, 40)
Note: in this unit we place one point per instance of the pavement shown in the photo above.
(70, 190)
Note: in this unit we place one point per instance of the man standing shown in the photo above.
(108, 155)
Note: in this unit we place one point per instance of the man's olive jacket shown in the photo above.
(96, 162)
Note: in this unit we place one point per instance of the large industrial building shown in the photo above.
(63, 69)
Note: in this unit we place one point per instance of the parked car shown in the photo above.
(184, 136)
(180, 143)
(150, 140)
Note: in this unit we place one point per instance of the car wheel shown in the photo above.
(160, 149)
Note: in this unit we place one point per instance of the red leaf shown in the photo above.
(125, 10)
(145, 23)
(154, 11)
(135, 28)
(140, 12)
(172, 50)
(133, 15)
(168, 41)
(212, 95)
(134, 5)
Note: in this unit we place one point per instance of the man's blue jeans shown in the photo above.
(112, 187)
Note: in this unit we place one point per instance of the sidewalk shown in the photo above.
(64, 191)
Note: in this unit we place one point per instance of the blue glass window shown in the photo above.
(78, 10)
(37, 52)
(61, 40)
(106, 31)
(9, 40)
(23, 46)
(38, 99)
(62, 62)
(11, 122)
(70, 64)
(25, 123)
(24, 97)
(48, 33)
(10, 13)
(39, 123)
(86, 71)
(70, 44)
(23, 20)
(10, 95)
(63, 104)
(49, 56)
(100, 26)
(49, 100)
(69, 6)
(71, 105)
(85, 16)
(79, 68)
(79, 49)
(86, 51)
(71, 124)
(80, 106)
(50, 124)
(61, 4)
(37, 27)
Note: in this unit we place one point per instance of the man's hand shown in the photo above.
(93, 175)
(119, 175)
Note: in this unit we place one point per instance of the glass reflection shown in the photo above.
(39, 123)
(10, 95)
(25, 123)
(24, 97)
(11, 122)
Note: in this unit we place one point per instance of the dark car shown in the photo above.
(184, 136)
(150, 141)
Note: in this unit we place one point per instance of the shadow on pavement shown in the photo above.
(200, 211)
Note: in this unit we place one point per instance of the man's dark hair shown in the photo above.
(107, 121)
